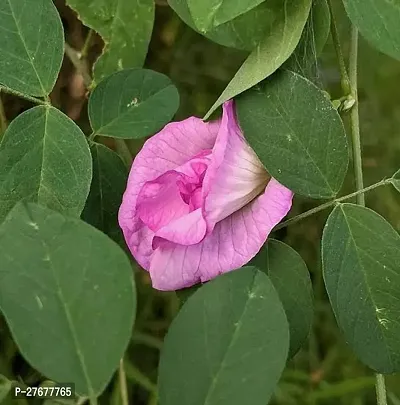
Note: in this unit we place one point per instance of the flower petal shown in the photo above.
(235, 175)
(186, 230)
(160, 202)
(233, 242)
(173, 146)
(240, 176)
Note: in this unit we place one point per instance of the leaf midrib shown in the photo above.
(299, 142)
(233, 340)
(69, 319)
(365, 276)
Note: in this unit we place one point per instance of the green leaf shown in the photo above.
(296, 133)
(361, 266)
(44, 158)
(185, 293)
(31, 45)
(314, 37)
(207, 14)
(282, 38)
(108, 186)
(124, 25)
(291, 279)
(395, 180)
(378, 22)
(5, 387)
(67, 294)
(243, 32)
(134, 103)
(228, 343)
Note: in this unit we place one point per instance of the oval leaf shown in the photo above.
(244, 32)
(279, 43)
(31, 45)
(291, 279)
(361, 265)
(133, 103)
(45, 158)
(296, 133)
(124, 25)
(105, 196)
(207, 14)
(378, 22)
(228, 343)
(67, 294)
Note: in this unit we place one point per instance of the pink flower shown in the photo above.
(199, 202)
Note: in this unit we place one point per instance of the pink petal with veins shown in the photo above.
(173, 146)
(236, 176)
(234, 242)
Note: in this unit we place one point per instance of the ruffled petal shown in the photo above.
(233, 243)
(173, 146)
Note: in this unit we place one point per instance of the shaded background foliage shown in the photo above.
(325, 372)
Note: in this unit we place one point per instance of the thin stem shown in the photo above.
(122, 383)
(139, 378)
(79, 63)
(35, 100)
(86, 45)
(380, 387)
(357, 161)
(147, 340)
(328, 204)
(345, 81)
(3, 118)
(123, 151)
(153, 399)
(93, 401)
(354, 117)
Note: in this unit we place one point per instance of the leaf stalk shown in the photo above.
(329, 204)
(16, 93)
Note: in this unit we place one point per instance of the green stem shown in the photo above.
(357, 162)
(380, 390)
(328, 204)
(86, 45)
(147, 340)
(93, 401)
(35, 100)
(339, 390)
(3, 118)
(134, 374)
(345, 81)
(79, 63)
(153, 399)
(122, 383)
(354, 116)
(123, 151)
